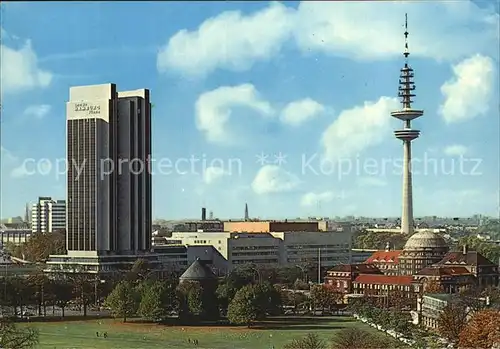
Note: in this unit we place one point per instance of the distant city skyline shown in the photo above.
(292, 123)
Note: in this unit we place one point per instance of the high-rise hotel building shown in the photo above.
(109, 182)
(109, 179)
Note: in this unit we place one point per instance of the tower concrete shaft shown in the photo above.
(407, 135)
(407, 214)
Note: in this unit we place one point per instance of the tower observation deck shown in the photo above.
(407, 134)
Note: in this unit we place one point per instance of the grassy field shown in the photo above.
(82, 334)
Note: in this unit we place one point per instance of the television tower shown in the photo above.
(407, 134)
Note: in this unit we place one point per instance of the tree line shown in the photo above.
(468, 322)
(465, 322)
(238, 297)
(39, 246)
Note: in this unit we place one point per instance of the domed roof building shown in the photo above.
(197, 272)
(421, 250)
(425, 239)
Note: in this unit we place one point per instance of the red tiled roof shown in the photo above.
(444, 270)
(384, 256)
(470, 258)
(384, 279)
(356, 268)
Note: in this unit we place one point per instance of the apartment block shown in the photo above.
(48, 215)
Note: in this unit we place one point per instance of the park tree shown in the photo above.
(40, 246)
(482, 330)
(63, 293)
(243, 309)
(451, 321)
(399, 321)
(195, 300)
(309, 341)
(158, 299)
(300, 284)
(293, 299)
(268, 300)
(123, 300)
(140, 271)
(355, 338)
(324, 297)
(288, 275)
(17, 293)
(470, 300)
(38, 282)
(228, 287)
(83, 288)
(378, 240)
(13, 337)
(224, 294)
(398, 299)
(493, 294)
(254, 302)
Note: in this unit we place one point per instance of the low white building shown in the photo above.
(13, 235)
(48, 215)
(275, 248)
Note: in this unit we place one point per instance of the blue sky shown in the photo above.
(314, 82)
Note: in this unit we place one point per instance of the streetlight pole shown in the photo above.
(95, 291)
(258, 274)
(304, 274)
(319, 265)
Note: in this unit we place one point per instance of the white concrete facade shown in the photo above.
(275, 249)
(48, 215)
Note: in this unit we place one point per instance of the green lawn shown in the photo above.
(82, 334)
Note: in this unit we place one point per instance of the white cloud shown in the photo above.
(213, 109)
(357, 30)
(230, 40)
(371, 182)
(357, 128)
(297, 112)
(38, 111)
(10, 163)
(212, 174)
(3, 34)
(7, 157)
(20, 172)
(455, 150)
(468, 93)
(372, 30)
(20, 70)
(274, 179)
(311, 199)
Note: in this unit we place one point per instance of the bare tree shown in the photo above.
(452, 321)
